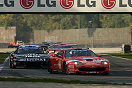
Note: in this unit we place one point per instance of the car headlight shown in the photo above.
(104, 62)
(78, 63)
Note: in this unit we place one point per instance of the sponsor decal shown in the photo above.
(27, 4)
(71, 70)
(92, 72)
(66, 5)
(108, 4)
(34, 59)
(71, 66)
(7, 3)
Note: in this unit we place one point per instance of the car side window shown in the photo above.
(60, 53)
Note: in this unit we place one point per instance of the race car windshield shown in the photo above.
(76, 53)
(26, 51)
(61, 46)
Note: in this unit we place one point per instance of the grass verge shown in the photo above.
(126, 55)
(48, 80)
(3, 56)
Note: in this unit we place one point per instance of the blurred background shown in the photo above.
(85, 30)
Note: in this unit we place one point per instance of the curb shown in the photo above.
(1, 67)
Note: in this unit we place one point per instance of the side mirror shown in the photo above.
(99, 55)
(60, 56)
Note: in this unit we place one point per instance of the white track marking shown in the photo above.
(1, 67)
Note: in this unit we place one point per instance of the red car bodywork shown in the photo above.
(78, 64)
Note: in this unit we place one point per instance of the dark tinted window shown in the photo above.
(74, 53)
(26, 51)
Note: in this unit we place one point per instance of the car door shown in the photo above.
(59, 60)
(55, 62)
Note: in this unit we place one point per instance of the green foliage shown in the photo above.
(115, 20)
(3, 57)
(64, 21)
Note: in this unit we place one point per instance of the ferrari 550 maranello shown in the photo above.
(78, 61)
(28, 56)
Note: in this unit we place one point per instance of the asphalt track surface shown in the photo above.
(121, 72)
(56, 85)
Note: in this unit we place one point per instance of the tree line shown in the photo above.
(65, 21)
(49, 22)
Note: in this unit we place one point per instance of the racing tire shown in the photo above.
(50, 67)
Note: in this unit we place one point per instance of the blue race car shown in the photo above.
(28, 56)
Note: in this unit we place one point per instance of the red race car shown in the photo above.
(78, 61)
